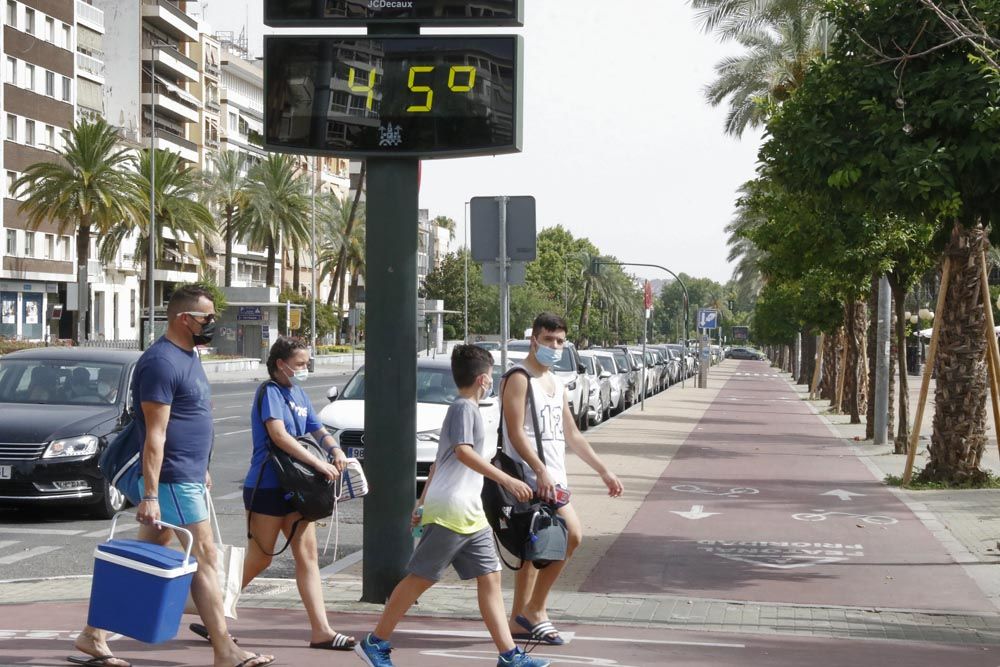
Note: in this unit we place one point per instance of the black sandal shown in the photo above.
(202, 632)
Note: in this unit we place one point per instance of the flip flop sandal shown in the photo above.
(202, 632)
(95, 661)
(255, 656)
(338, 643)
(542, 632)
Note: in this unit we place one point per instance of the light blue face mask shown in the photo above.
(299, 376)
(548, 356)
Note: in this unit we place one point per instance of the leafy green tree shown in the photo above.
(87, 187)
(909, 132)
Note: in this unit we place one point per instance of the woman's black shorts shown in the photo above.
(271, 502)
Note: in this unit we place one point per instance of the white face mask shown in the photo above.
(487, 389)
(299, 375)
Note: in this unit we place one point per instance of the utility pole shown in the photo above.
(882, 378)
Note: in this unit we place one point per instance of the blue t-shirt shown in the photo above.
(293, 407)
(170, 375)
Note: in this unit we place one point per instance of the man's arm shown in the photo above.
(579, 445)
(515, 394)
(156, 416)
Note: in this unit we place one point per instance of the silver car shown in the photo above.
(600, 388)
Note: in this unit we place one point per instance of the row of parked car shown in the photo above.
(600, 383)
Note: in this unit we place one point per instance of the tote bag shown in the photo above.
(229, 568)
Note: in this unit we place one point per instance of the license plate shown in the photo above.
(5, 472)
(354, 453)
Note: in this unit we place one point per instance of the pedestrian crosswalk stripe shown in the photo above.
(40, 531)
(27, 553)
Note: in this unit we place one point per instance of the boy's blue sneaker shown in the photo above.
(376, 653)
(521, 659)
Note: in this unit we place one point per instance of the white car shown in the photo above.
(618, 378)
(344, 417)
(599, 401)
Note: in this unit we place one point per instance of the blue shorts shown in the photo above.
(181, 503)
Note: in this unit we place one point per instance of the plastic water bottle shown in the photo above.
(418, 530)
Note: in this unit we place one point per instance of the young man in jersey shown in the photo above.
(529, 617)
(455, 528)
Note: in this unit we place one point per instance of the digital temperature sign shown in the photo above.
(413, 96)
(334, 13)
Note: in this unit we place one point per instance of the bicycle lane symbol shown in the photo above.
(734, 492)
(823, 515)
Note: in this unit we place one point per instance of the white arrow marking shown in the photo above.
(842, 494)
(696, 512)
(781, 563)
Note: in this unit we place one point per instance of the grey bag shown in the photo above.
(547, 537)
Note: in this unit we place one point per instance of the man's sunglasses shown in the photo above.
(209, 317)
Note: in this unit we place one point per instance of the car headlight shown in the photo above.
(430, 436)
(572, 385)
(83, 445)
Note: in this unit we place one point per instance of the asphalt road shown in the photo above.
(51, 542)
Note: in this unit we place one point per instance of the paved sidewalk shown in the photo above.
(639, 445)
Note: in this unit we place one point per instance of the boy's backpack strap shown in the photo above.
(534, 412)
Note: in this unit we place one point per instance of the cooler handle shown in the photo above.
(161, 524)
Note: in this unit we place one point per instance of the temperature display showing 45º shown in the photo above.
(422, 96)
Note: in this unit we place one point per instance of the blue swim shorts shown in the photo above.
(181, 503)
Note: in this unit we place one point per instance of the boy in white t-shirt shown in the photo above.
(455, 530)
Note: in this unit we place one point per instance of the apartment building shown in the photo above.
(37, 266)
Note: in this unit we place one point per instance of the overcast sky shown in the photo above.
(619, 144)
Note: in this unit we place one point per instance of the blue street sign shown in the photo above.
(708, 318)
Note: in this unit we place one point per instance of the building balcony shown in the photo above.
(171, 19)
(90, 67)
(212, 105)
(213, 69)
(90, 16)
(188, 150)
(171, 63)
(172, 102)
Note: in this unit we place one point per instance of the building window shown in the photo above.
(66, 90)
(67, 37)
(29, 76)
(50, 29)
(11, 177)
(11, 70)
(29, 132)
(65, 250)
(50, 83)
(29, 244)
(12, 13)
(11, 127)
(29, 20)
(50, 246)
(11, 242)
(50, 137)
(131, 309)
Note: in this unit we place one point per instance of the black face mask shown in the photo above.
(206, 335)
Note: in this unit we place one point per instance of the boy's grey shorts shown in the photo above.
(472, 555)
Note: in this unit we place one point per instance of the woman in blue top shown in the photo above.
(285, 413)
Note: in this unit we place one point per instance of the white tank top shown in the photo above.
(549, 413)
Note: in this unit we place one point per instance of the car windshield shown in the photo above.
(487, 344)
(59, 381)
(608, 364)
(588, 363)
(622, 361)
(434, 385)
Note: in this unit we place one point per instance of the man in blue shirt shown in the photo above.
(172, 402)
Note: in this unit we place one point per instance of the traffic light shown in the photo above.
(595, 266)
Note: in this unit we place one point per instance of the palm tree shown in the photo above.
(87, 188)
(277, 207)
(176, 190)
(780, 39)
(445, 222)
(226, 189)
(349, 222)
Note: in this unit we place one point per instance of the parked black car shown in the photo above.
(743, 353)
(58, 407)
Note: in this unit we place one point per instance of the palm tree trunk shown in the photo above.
(295, 269)
(959, 435)
(903, 434)
(584, 315)
(338, 278)
(333, 286)
(340, 310)
(229, 247)
(272, 253)
(83, 283)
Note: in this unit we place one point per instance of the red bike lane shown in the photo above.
(762, 503)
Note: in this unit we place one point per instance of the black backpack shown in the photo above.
(512, 520)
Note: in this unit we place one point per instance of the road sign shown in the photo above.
(647, 296)
(516, 272)
(741, 333)
(708, 318)
(295, 319)
(412, 96)
(484, 213)
(434, 13)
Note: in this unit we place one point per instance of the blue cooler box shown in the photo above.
(139, 589)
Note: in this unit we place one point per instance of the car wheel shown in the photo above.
(112, 501)
(598, 414)
(583, 421)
